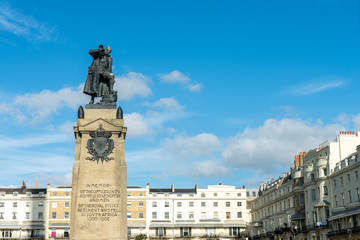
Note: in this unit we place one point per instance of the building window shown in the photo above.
(203, 204)
(185, 231)
(154, 194)
(191, 215)
(67, 214)
(54, 205)
(326, 191)
(228, 194)
(67, 194)
(227, 204)
(160, 232)
(27, 204)
(166, 204)
(312, 177)
(129, 194)
(14, 215)
(342, 181)
(334, 183)
(141, 204)
(215, 204)
(216, 215)
(179, 204)
(342, 199)
(191, 195)
(154, 215)
(239, 204)
(15, 194)
(141, 194)
(336, 201)
(203, 215)
(129, 204)
(313, 195)
(254, 194)
(215, 194)
(202, 194)
(53, 215)
(167, 215)
(210, 232)
(179, 195)
(54, 194)
(141, 215)
(325, 171)
(154, 204)
(227, 215)
(348, 177)
(1, 215)
(2, 194)
(356, 175)
(327, 212)
(27, 215)
(40, 215)
(28, 194)
(301, 198)
(14, 204)
(128, 214)
(350, 200)
(239, 194)
(166, 195)
(191, 204)
(239, 214)
(179, 215)
(67, 204)
(40, 204)
(2, 204)
(234, 231)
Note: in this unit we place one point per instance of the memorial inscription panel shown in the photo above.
(99, 202)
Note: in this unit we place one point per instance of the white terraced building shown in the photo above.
(216, 211)
(22, 213)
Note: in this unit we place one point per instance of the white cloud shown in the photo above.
(40, 106)
(356, 121)
(170, 104)
(317, 86)
(15, 22)
(195, 87)
(189, 146)
(30, 141)
(275, 143)
(208, 168)
(175, 77)
(131, 85)
(136, 125)
(179, 77)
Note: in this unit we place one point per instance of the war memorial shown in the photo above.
(98, 204)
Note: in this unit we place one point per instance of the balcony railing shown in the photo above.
(178, 236)
(345, 231)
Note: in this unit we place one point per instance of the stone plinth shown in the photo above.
(98, 201)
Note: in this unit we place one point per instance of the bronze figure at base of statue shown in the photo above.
(107, 101)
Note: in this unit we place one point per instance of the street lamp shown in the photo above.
(349, 232)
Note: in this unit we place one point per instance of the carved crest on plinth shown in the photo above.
(100, 145)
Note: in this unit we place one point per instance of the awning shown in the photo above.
(345, 213)
(297, 216)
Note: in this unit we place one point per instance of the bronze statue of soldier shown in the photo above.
(100, 79)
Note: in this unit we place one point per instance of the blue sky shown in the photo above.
(212, 91)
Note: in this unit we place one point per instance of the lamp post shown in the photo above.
(350, 232)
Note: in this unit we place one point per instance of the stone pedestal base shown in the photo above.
(98, 201)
